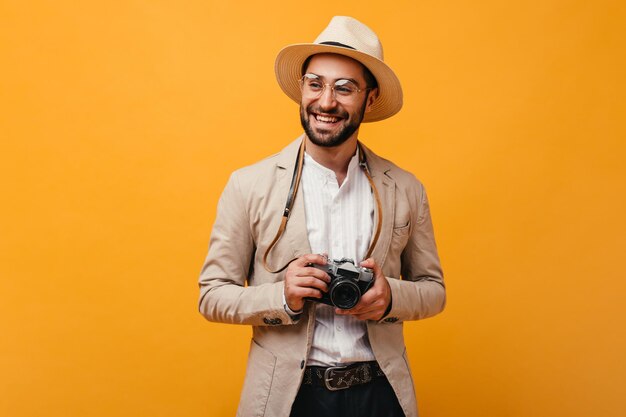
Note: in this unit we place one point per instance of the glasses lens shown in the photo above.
(312, 85)
(345, 88)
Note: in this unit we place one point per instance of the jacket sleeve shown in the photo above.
(421, 291)
(224, 296)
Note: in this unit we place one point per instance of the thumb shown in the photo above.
(369, 263)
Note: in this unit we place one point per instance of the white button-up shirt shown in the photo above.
(339, 222)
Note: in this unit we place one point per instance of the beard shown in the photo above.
(324, 138)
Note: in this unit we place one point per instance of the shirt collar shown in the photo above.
(323, 172)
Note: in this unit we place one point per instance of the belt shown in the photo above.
(336, 378)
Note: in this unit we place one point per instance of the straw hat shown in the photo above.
(345, 36)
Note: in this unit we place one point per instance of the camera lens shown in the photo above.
(345, 294)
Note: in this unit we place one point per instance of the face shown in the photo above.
(326, 121)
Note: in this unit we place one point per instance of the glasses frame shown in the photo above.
(310, 75)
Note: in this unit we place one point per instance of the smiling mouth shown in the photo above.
(326, 118)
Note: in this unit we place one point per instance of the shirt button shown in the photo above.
(339, 328)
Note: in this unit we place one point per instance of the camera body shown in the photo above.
(347, 283)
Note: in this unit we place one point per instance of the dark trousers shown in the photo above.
(374, 399)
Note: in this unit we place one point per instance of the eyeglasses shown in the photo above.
(344, 90)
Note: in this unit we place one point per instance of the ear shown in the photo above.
(372, 96)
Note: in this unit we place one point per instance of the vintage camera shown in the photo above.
(347, 283)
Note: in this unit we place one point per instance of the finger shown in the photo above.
(310, 271)
(296, 301)
(310, 282)
(306, 292)
(305, 270)
(371, 264)
(295, 282)
(363, 308)
(369, 316)
(353, 311)
(311, 258)
(370, 312)
(370, 297)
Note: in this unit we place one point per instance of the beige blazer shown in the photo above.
(235, 288)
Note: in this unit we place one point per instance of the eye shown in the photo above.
(342, 89)
(312, 82)
(345, 87)
(314, 85)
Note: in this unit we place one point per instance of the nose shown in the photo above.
(327, 99)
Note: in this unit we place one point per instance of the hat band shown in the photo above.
(337, 44)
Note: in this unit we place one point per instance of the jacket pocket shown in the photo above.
(258, 381)
(402, 230)
(400, 238)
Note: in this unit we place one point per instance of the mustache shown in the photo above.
(330, 112)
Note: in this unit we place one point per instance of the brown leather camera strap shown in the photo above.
(291, 196)
(379, 206)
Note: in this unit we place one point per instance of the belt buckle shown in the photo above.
(328, 377)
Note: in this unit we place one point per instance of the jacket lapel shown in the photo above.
(296, 232)
(386, 188)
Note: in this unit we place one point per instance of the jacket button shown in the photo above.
(302, 364)
(391, 320)
(276, 322)
(266, 320)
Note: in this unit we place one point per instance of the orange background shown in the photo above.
(120, 122)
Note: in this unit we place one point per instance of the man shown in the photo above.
(325, 197)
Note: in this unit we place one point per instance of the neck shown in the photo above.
(336, 158)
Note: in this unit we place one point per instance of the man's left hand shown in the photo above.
(374, 302)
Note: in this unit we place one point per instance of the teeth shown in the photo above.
(325, 119)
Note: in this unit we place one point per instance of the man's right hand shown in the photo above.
(303, 281)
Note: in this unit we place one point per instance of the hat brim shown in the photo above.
(288, 68)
